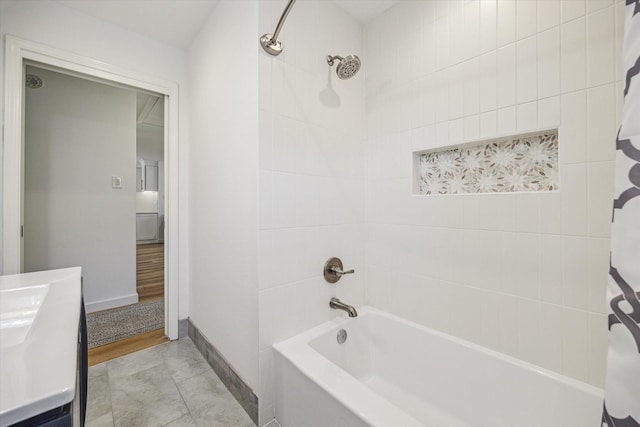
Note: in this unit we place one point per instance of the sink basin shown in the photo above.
(39, 319)
(18, 309)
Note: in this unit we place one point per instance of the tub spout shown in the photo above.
(336, 304)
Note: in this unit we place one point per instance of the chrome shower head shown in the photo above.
(347, 67)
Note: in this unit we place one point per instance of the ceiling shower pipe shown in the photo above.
(270, 42)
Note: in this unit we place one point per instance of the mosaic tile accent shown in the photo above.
(515, 164)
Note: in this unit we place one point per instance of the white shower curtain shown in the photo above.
(622, 391)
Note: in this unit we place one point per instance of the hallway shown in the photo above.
(150, 288)
(150, 271)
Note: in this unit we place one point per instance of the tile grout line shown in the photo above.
(113, 417)
(175, 384)
(182, 397)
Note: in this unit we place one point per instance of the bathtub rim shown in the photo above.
(364, 402)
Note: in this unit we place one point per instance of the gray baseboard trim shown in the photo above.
(238, 388)
(183, 328)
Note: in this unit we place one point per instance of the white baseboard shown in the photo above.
(111, 303)
(272, 423)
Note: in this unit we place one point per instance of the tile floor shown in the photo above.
(167, 385)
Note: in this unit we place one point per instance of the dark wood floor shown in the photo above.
(150, 271)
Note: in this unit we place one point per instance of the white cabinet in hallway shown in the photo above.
(146, 226)
(147, 176)
(151, 178)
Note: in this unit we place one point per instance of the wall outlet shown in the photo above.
(116, 182)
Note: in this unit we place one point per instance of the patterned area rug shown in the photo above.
(107, 326)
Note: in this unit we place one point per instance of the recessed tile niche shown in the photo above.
(519, 163)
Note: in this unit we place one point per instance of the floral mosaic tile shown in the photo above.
(518, 164)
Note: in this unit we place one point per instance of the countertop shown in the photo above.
(39, 373)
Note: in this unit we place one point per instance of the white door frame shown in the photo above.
(17, 51)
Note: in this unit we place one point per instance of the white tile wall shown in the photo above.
(488, 124)
(488, 80)
(471, 85)
(573, 186)
(599, 206)
(506, 18)
(575, 343)
(526, 69)
(600, 46)
(571, 9)
(551, 337)
(550, 205)
(526, 18)
(507, 121)
(506, 75)
(574, 272)
(597, 271)
(598, 334)
(548, 14)
(595, 5)
(524, 274)
(573, 132)
(601, 123)
(527, 117)
(573, 55)
(548, 62)
(549, 112)
(488, 27)
(311, 162)
(550, 268)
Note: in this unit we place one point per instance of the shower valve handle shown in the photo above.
(333, 270)
(339, 272)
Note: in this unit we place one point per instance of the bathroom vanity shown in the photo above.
(43, 349)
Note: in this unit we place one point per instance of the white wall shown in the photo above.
(524, 274)
(78, 134)
(311, 175)
(223, 67)
(54, 25)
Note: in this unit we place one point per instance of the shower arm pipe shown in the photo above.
(283, 18)
(270, 42)
(330, 59)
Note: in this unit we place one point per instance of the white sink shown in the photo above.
(18, 309)
(39, 318)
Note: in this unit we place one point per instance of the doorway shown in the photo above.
(18, 53)
(83, 201)
(150, 190)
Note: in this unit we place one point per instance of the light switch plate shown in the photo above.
(116, 182)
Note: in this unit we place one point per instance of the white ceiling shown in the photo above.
(150, 127)
(365, 10)
(176, 22)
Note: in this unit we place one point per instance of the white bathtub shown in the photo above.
(394, 373)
